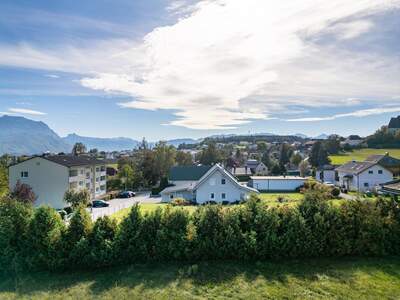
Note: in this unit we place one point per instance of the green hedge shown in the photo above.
(37, 239)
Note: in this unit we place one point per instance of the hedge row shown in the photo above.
(38, 239)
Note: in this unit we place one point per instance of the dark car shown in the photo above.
(126, 194)
(100, 203)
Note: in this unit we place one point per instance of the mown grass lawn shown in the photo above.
(344, 278)
(361, 154)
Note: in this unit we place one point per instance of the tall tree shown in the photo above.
(210, 155)
(332, 144)
(164, 157)
(319, 155)
(79, 148)
(184, 158)
(284, 154)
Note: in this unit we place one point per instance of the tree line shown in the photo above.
(37, 239)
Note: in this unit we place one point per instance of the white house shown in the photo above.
(276, 183)
(326, 173)
(201, 184)
(51, 176)
(362, 176)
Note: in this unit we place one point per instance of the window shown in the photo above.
(103, 168)
(80, 183)
(223, 196)
(371, 172)
(380, 171)
(102, 178)
(97, 179)
(87, 175)
(73, 173)
(171, 196)
(223, 181)
(97, 189)
(24, 174)
(103, 187)
(97, 169)
(88, 185)
(366, 184)
(212, 196)
(73, 185)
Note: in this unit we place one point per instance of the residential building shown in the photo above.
(276, 183)
(326, 173)
(353, 141)
(394, 125)
(200, 184)
(362, 176)
(51, 176)
(251, 167)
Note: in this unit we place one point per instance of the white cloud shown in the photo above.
(52, 76)
(26, 111)
(358, 114)
(231, 61)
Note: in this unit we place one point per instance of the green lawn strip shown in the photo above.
(340, 278)
(361, 154)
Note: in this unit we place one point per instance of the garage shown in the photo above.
(276, 183)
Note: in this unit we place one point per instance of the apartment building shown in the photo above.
(51, 176)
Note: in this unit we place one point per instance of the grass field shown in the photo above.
(345, 278)
(360, 155)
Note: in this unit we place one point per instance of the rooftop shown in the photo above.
(356, 167)
(187, 173)
(74, 161)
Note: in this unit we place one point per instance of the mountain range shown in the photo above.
(22, 136)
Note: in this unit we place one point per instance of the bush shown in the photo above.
(252, 231)
(180, 202)
(14, 221)
(43, 238)
(335, 192)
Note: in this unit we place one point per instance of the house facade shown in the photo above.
(326, 173)
(51, 176)
(216, 184)
(362, 176)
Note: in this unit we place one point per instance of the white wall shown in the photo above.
(213, 185)
(280, 184)
(328, 176)
(373, 180)
(166, 197)
(48, 180)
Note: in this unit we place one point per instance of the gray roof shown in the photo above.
(188, 186)
(187, 173)
(384, 160)
(252, 163)
(355, 167)
(74, 161)
(394, 122)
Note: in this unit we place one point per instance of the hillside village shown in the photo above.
(221, 169)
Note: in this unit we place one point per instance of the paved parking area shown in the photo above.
(121, 203)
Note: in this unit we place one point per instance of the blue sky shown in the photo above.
(168, 69)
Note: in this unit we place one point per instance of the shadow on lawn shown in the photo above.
(152, 276)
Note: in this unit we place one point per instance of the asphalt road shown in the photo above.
(121, 203)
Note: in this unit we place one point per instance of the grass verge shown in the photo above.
(344, 278)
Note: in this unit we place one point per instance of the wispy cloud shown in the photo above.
(228, 62)
(52, 76)
(25, 111)
(358, 114)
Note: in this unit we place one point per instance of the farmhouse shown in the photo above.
(201, 184)
(276, 183)
(51, 176)
(362, 176)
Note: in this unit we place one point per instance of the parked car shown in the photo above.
(100, 203)
(126, 194)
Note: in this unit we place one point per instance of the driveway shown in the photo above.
(347, 196)
(121, 203)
